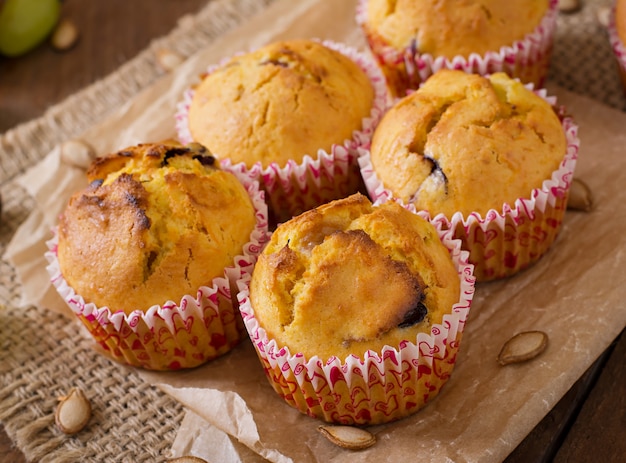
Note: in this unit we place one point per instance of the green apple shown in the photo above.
(24, 24)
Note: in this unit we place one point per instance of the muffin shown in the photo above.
(291, 113)
(411, 40)
(487, 155)
(617, 37)
(352, 306)
(147, 254)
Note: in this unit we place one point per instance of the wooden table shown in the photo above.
(588, 424)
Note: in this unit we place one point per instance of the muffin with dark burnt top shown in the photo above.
(155, 242)
(347, 283)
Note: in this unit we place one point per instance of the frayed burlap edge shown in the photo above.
(131, 420)
(27, 143)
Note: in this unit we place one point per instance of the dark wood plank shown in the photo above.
(8, 452)
(599, 432)
(111, 33)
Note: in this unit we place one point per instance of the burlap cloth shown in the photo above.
(133, 421)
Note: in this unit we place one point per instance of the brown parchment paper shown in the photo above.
(573, 293)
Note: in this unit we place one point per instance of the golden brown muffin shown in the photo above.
(467, 143)
(620, 19)
(450, 28)
(156, 222)
(279, 103)
(412, 40)
(348, 277)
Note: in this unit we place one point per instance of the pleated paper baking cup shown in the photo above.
(379, 387)
(176, 334)
(618, 47)
(527, 59)
(319, 177)
(505, 242)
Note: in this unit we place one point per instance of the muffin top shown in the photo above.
(349, 277)
(156, 222)
(467, 143)
(280, 102)
(452, 27)
(620, 19)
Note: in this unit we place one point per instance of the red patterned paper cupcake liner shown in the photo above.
(527, 59)
(507, 241)
(618, 47)
(173, 335)
(299, 186)
(380, 387)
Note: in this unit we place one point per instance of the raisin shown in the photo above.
(205, 160)
(97, 183)
(436, 170)
(170, 153)
(275, 62)
(414, 316)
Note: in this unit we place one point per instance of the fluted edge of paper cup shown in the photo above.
(379, 387)
(527, 58)
(299, 186)
(171, 336)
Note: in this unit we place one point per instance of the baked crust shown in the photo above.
(280, 103)
(620, 20)
(450, 28)
(467, 143)
(156, 222)
(348, 277)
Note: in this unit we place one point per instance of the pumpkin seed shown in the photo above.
(522, 347)
(348, 437)
(73, 412)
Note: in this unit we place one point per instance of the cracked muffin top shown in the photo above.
(450, 28)
(280, 103)
(156, 222)
(467, 143)
(620, 19)
(349, 276)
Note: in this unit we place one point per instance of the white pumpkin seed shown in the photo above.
(569, 6)
(73, 412)
(187, 459)
(603, 14)
(77, 153)
(348, 437)
(167, 59)
(64, 36)
(522, 347)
